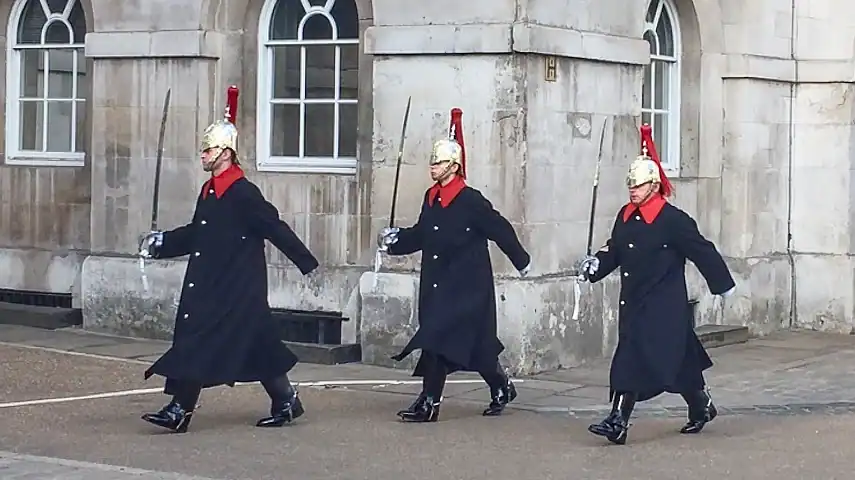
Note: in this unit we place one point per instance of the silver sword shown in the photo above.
(156, 196)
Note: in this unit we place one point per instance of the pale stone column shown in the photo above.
(532, 145)
(787, 165)
(132, 72)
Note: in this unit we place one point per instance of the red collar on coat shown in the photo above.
(223, 181)
(447, 193)
(649, 210)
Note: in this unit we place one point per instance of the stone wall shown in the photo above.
(766, 124)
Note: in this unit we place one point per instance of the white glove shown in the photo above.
(525, 270)
(729, 292)
(149, 242)
(386, 237)
(589, 265)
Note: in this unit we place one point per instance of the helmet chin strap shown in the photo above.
(446, 173)
(650, 193)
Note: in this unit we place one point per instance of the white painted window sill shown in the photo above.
(316, 166)
(58, 160)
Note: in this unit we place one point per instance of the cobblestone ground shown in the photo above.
(70, 405)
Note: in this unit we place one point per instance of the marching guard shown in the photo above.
(224, 332)
(457, 301)
(657, 350)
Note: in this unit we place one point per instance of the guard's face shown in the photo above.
(212, 158)
(440, 171)
(640, 194)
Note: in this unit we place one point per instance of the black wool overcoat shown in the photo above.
(457, 297)
(658, 350)
(224, 332)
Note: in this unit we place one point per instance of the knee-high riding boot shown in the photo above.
(701, 411)
(502, 390)
(426, 406)
(615, 427)
(176, 415)
(285, 404)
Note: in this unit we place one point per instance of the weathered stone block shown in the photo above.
(534, 321)
(113, 299)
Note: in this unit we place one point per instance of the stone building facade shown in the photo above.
(746, 99)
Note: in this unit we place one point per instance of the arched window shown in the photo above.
(660, 103)
(307, 86)
(46, 83)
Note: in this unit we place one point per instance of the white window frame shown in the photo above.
(671, 164)
(297, 164)
(37, 158)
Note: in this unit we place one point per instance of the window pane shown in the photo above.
(285, 131)
(349, 71)
(645, 118)
(80, 121)
(31, 134)
(347, 130)
(285, 19)
(651, 39)
(32, 20)
(320, 71)
(57, 32)
(646, 87)
(320, 126)
(59, 126)
(317, 27)
(651, 10)
(32, 68)
(665, 32)
(78, 22)
(82, 80)
(286, 72)
(61, 77)
(661, 124)
(662, 85)
(346, 19)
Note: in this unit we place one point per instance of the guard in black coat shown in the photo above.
(224, 332)
(657, 350)
(457, 300)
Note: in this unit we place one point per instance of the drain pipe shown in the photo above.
(790, 142)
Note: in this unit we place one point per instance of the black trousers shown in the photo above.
(187, 393)
(436, 373)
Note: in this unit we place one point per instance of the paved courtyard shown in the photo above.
(70, 405)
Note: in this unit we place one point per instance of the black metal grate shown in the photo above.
(39, 299)
(320, 328)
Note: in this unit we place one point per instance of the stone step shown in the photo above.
(712, 336)
(35, 316)
(326, 354)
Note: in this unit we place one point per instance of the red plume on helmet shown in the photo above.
(455, 132)
(665, 187)
(231, 104)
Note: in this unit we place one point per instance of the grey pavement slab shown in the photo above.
(776, 423)
(30, 467)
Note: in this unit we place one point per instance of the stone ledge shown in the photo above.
(777, 69)
(438, 39)
(562, 42)
(505, 38)
(712, 336)
(169, 43)
(50, 318)
(326, 354)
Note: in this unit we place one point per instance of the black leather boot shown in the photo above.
(615, 427)
(172, 416)
(285, 403)
(426, 411)
(701, 411)
(282, 413)
(502, 395)
(414, 407)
